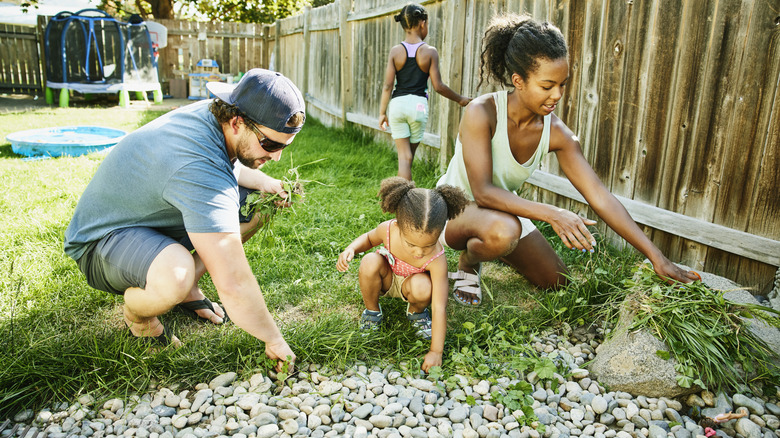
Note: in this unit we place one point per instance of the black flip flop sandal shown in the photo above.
(162, 340)
(189, 308)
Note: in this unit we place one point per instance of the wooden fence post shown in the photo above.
(306, 49)
(454, 36)
(264, 61)
(345, 36)
(278, 47)
(40, 29)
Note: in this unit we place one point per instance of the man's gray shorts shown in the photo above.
(122, 259)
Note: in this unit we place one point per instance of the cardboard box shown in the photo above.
(178, 88)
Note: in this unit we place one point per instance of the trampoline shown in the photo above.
(70, 141)
(91, 52)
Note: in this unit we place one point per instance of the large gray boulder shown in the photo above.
(629, 362)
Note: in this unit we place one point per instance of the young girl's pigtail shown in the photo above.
(454, 197)
(392, 191)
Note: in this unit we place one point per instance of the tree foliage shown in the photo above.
(248, 11)
(244, 11)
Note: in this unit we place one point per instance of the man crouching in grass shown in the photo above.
(163, 209)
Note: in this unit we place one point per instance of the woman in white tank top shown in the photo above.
(502, 138)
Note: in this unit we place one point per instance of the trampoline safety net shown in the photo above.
(91, 47)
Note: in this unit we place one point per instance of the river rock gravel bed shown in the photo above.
(391, 402)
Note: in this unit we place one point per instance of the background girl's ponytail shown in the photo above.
(411, 15)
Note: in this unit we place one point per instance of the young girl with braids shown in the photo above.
(505, 135)
(410, 262)
(409, 65)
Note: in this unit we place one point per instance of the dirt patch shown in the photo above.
(16, 103)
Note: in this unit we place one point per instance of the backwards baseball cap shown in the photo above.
(267, 97)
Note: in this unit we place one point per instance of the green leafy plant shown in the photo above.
(593, 280)
(707, 335)
(435, 373)
(268, 205)
(517, 398)
(270, 365)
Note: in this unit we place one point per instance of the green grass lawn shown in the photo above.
(59, 337)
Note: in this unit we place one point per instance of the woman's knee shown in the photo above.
(502, 234)
(550, 280)
(537, 261)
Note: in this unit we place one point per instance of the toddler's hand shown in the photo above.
(432, 359)
(344, 258)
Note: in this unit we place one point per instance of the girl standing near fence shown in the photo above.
(505, 135)
(409, 65)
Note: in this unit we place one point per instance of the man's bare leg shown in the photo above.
(168, 282)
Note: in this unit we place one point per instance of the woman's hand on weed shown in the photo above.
(671, 272)
(432, 359)
(344, 258)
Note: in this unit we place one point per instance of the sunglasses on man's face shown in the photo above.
(265, 142)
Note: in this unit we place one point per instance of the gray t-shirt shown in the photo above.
(173, 175)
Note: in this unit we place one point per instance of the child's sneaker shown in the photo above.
(371, 320)
(421, 321)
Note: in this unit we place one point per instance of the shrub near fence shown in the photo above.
(675, 103)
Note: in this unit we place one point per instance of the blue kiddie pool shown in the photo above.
(68, 141)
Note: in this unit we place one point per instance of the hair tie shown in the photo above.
(397, 18)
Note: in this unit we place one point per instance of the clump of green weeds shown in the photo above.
(593, 280)
(488, 351)
(268, 205)
(708, 335)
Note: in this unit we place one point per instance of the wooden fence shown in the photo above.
(675, 103)
(237, 47)
(20, 65)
